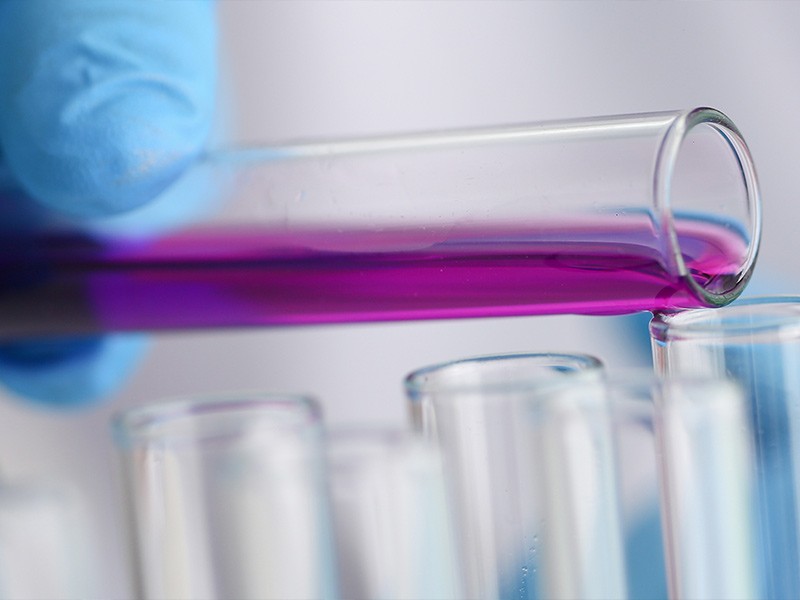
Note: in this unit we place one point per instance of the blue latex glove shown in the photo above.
(103, 104)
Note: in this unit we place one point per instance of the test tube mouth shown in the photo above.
(202, 419)
(502, 373)
(737, 219)
(354, 448)
(749, 320)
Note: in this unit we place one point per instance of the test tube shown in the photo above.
(530, 471)
(594, 216)
(631, 415)
(706, 461)
(394, 535)
(228, 499)
(756, 342)
(44, 546)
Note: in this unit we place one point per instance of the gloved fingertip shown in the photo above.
(69, 373)
(105, 104)
(109, 160)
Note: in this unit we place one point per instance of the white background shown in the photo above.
(322, 69)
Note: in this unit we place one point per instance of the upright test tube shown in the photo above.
(228, 499)
(394, 535)
(755, 342)
(530, 472)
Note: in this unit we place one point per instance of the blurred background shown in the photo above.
(330, 69)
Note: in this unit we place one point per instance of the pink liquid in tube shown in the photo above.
(237, 277)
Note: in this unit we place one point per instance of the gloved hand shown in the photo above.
(103, 104)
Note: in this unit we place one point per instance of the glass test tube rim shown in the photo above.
(356, 448)
(418, 386)
(748, 320)
(161, 421)
(666, 160)
(370, 437)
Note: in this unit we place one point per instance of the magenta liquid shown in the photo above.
(254, 277)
